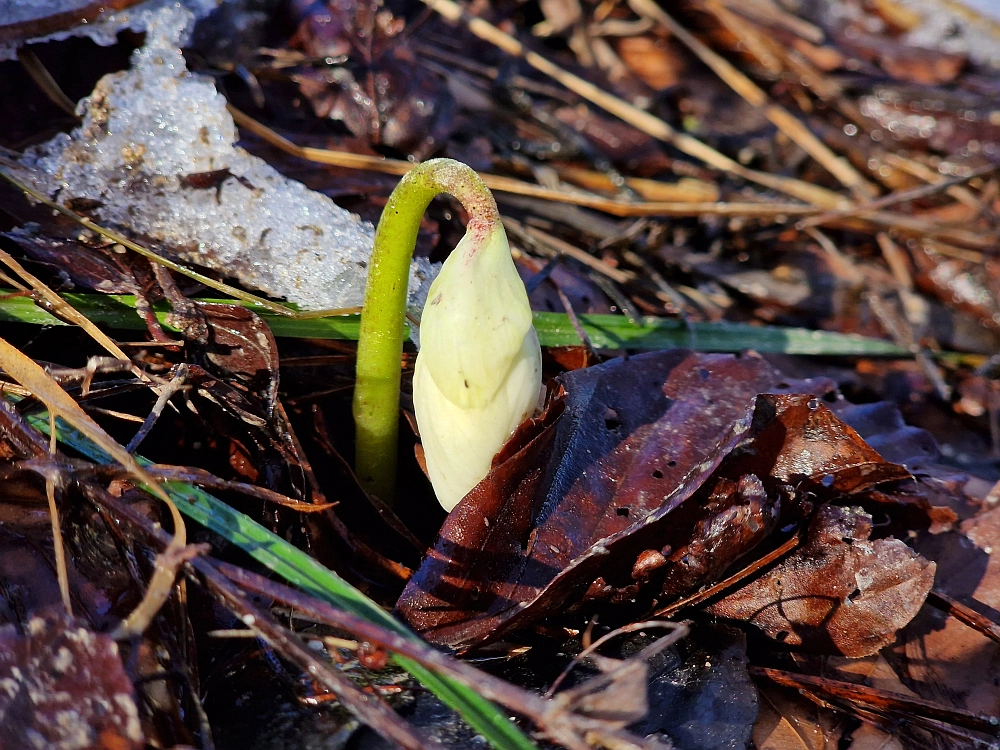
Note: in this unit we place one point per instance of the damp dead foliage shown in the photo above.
(662, 471)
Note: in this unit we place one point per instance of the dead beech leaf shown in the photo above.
(651, 59)
(789, 721)
(242, 350)
(639, 438)
(64, 687)
(840, 592)
(947, 661)
(621, 702)
(410, 108)
(869, 737)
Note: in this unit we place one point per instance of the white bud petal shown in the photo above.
(479, 369)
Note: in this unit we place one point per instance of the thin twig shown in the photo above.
(644, 121)
(630, 628)
(513, 186)
(534, 237)
(369, 708)
(838, 166)
(900, 196)
(881, 699)
(695, 599)
(925, 173)
(964, 614)
(177, 382)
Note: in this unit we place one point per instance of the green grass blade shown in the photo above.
(554, 329)
(301, 570)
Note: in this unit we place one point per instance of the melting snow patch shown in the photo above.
(973, 30)
(148, 129)
(28, 16)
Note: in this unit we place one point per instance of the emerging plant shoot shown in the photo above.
(478, 373)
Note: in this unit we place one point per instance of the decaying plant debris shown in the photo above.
(686, 548)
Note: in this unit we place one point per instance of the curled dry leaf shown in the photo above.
(665, 468)
(90, 268)
(652, 60)
(381, 93)
(62, 686)
(241, 349)
(840, 592)
(937, 496)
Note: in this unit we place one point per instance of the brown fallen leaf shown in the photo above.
(945, 660)
(241, 349)
(651, 59)
(625, 503)
(840, 592)
(408, 108)
(788, 721)
(901, 61)
(63, 687)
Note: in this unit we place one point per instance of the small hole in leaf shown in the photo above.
(671, 463)
(703, 373)
(658, 474)
(622, 512)
(854, 595)
(611, 420)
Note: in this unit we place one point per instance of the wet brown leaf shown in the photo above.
(87, 267)
(62, 687)
(901, 61)
(945, 660)
(970, 288)
(242, 349)
(381, 93)
(839, 593)
(609, 517)
(791, 722)
(937, 496)
(652, 60)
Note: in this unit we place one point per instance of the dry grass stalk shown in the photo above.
(644, 121)
(752, 93)
(514, 186)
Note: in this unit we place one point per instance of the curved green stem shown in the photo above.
(380, 342)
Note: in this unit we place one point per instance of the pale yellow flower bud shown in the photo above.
(479, 370)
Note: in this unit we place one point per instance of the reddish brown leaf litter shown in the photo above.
(665, 469)
(382, 95)
(62, 687)
(838, 593)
